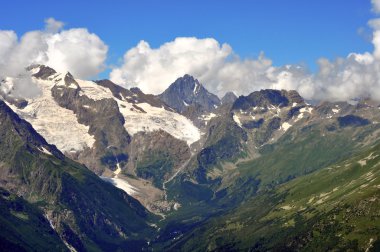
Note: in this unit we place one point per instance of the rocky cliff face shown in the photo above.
(105, 123)
(187, 96)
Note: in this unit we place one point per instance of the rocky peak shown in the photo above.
(228, 98)
(42, 71)
(70, 80)
(188, 91)
(267, 97)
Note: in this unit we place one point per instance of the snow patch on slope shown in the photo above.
(306, 109)
(94, 91)
(237, 120)
(208, 117)
(59, 126)
(158, 118)
(285, 126)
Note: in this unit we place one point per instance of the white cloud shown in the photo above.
(221, 70)
(52, 25)
(376, 6)
(153, 69)
(74, 50)
(215, 65)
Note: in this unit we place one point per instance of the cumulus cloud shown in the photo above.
(221, 70)
(74, 50)
(215, 65)
(153, 69)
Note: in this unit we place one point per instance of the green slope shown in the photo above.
(334, 209)
(23, 226)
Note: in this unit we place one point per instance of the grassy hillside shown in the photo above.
(23, 226)
(335, 208)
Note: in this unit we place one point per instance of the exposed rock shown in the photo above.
(228, 98)
(187, 91)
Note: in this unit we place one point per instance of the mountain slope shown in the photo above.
(304, 139)
(86, 212)
(101, 125)
(336, 208)
(23, 226)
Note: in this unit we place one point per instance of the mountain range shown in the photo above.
(93, 166)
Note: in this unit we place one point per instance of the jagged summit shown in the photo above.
(267, 97)
(229, 98)
(41, 71)
(188, 91)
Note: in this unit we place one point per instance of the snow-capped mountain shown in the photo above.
(140, 114)
(141, 142)
(104, 126)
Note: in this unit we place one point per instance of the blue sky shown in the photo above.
(294, 31)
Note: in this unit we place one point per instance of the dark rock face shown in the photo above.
(134, 95)
(325, 108)
(228, 98)
(44, 71)
(187, 91)
(352, 121)
(253, 124)
(105, 121)
(264, 98)
(266, 132)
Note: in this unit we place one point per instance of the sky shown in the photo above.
(236, 45)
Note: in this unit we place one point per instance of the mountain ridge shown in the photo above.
(197, 164)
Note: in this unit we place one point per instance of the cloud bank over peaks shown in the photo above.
(221, 70)
(216, 65)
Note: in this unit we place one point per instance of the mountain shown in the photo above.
(264, 171)
(228, 98)
(267, 139)
(86, 212)
(107, 128)
(189, 97)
